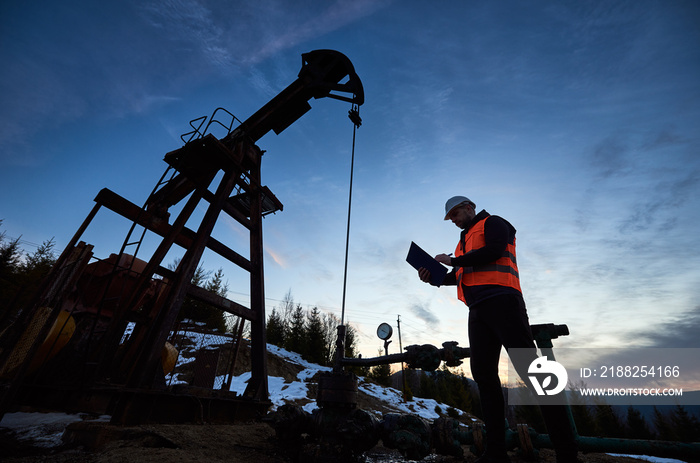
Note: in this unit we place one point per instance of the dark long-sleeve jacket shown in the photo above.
(498, 232)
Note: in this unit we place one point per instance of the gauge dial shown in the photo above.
(384, 331)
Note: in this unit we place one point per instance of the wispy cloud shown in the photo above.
(193, 24)
(609, 157)
(640, 183)
(135, 58)
(307, 22)
(244, 34)
(278, 258)
(664, 138)
(423, 312)
(678, 331)
(34, 93)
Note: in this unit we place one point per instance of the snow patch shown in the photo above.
(42, 429)
(647, 458)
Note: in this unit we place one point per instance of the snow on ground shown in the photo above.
(281, 392)
(647, 458)
(42, 429)
(393, 398)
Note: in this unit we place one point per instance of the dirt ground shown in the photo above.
(245, 442)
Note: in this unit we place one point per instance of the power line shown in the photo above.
(21, 241)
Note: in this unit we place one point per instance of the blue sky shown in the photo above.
(579, 122)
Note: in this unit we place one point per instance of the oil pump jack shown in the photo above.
(96, 299)
(94, 338)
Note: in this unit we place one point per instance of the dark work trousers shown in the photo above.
(502, 321)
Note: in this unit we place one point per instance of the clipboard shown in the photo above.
(418, 258)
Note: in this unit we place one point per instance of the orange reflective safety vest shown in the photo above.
(501, 272)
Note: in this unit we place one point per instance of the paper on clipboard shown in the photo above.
(418, 258)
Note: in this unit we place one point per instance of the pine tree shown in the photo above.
(275, 328)
(351, 351)
(279, 321)
(208, 316)
(581, 411)
(637, 427)
(380, 374)
(216, 318)
(38, 264)
(216, 285)
(685, 426)
(607, 422)
(428, 388)
(350, 341)
(20, 279)
(584, 419)
(440, 388)
(664, 428)
(296, 338)
(330, 336)
(315, 343)
(312, 334)
(10, 255)
(462, 394)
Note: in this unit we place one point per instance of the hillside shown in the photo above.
(36, 437)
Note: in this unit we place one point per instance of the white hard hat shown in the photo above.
(454, 202)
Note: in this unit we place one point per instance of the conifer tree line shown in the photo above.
(308, 332)
(666, 423)
(21, 273)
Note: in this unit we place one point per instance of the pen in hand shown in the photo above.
(444, 258)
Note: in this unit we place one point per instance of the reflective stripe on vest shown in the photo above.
(502, 272)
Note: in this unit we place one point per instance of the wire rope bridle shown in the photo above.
(354, 115)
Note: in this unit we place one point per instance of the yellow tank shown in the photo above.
(168, 357)
(61, 332)
(59, 335)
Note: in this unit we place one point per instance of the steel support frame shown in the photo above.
(142, 375)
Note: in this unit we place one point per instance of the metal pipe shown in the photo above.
(680, 450)
(665, 449)
(426, 357)
(373, 361)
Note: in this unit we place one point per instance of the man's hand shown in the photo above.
(444, 259)
(424, 274)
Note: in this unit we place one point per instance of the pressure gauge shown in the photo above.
(384, 331)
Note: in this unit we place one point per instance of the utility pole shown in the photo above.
(403, 373)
